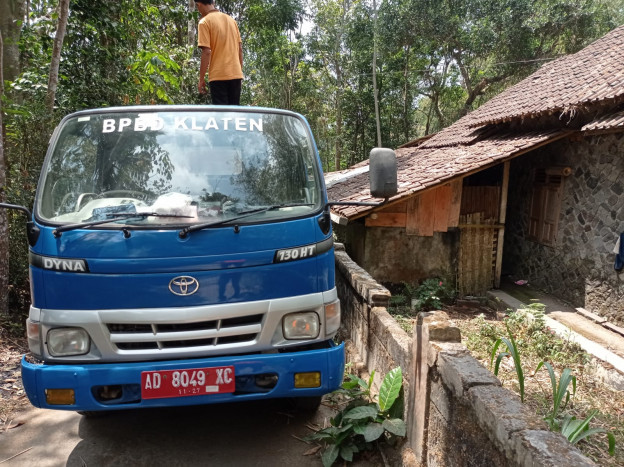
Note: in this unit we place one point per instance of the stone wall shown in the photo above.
(391, 256)
(579, 268)
(456, 412)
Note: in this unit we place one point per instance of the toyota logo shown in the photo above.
(183, 285)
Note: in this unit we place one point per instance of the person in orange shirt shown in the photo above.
(222, 55)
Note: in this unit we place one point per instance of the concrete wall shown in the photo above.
(390, 255)
(457, 413)
(579, 268)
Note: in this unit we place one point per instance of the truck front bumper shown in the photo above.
(90, 382)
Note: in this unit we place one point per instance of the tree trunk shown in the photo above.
(4, 224)
(191, 24)
(338, 155)
(63, 13)
(375, 92)
(407, 101)
(12, 12)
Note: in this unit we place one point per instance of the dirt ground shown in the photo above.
(12, 395)
(259, 433)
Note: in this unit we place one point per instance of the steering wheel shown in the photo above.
(68, 203)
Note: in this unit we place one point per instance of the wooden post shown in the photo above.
(501, 220)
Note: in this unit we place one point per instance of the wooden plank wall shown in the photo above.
(434, 210)
(482, 199)
(474, 209)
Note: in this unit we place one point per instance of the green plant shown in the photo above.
(430, 294)
(363, 421)
(513, 351)
(405, 297)
(559, 392)
(576, 430)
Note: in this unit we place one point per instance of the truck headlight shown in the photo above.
(63, 342)
(332, 318)
(301, 325)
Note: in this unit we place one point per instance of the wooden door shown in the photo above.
(478, 223)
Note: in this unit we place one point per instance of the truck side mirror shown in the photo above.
(32, 231)
(383, 173)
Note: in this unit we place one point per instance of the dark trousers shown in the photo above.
(225, 92)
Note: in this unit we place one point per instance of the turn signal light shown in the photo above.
(308, 380)
(60, 396)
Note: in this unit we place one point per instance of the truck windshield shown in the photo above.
(192, 165)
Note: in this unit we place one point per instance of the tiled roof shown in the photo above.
(419, 169)
(594, 74)
(608, 122)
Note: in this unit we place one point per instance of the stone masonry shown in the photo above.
(456, 412)
(579, 268)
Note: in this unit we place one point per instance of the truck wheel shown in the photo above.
(307, 404)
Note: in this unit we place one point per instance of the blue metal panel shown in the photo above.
(101, 246)
(135, 272)
(118, 291)
(82, 378)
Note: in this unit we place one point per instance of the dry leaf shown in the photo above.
(312, 451)
(13, 425)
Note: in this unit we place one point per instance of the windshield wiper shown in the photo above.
(241, 215)
(112, 218)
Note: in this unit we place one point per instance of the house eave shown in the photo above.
(338, 220)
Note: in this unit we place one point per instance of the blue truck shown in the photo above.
(183, 255)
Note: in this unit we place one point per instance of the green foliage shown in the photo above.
(436, 61)
(560, 392)
(574, 430)
(154, 71)
(430, 294)
(363, 421)
(530, 337)
(513, 351)
(28, 128)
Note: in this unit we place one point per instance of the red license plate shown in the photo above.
(193, 382)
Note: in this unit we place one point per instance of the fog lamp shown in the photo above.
(332, 318)
(266, 381)
(63, 342)
(60, 396)
(301, 325)
(308, 380)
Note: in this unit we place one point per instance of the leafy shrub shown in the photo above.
(430, 294)
(364, 420)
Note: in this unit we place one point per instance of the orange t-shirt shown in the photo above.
(219, 32)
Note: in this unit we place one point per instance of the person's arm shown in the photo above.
(240, 53)
(203, 69)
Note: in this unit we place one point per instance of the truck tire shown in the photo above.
(92, 413)
(307, 404)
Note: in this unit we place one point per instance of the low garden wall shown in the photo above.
(456, 412)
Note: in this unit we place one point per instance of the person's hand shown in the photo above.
(201, 87)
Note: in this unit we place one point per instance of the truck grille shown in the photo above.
(155, 336)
